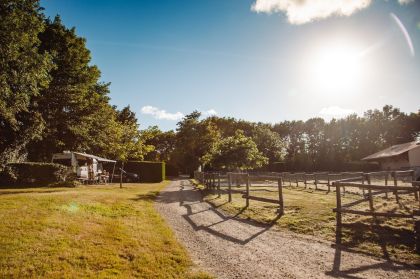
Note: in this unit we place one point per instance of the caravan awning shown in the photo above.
(99, 159)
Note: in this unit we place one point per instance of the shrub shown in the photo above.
(32, 174)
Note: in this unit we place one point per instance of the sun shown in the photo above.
(335, 68)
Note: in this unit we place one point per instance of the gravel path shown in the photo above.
(230, 248)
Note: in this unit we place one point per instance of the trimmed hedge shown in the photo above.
(31, 174)
(150, 172)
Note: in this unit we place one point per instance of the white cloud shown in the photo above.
(161, 114)
(209, 112)
(404, 2)
(304, 11)
(335, 112)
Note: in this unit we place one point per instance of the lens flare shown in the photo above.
(405, 33)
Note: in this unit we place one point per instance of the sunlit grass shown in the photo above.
(89, 231)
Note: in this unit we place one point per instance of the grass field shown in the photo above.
(309, 212)
(88, 231)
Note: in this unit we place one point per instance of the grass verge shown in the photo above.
(86, 232)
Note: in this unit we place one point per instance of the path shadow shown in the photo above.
(189, 197)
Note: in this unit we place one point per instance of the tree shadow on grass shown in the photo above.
(149, 196)
(27, 192)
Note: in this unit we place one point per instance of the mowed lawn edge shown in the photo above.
(89, 231)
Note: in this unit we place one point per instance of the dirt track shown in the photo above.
(231, 248)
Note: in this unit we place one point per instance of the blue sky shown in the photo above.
(166, 58)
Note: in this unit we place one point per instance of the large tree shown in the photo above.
(72, 102)
(163, 143)
(116, 135)
(23, 74)
(269, 143)
(237, 152)
(193, 140)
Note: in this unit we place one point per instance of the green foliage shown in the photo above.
(118, 137)
(51, 96)
(163, 143)
(317, 145)
(194, 139)
(24, 72)
(70, 103)
(312, 145)
(75, 106)
(150, 172)
(31, 173)
(269, 143)
(235, 152)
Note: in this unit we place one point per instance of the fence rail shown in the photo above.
(361, 182)
(374, 190)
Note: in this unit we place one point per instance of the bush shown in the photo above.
(32, 174)
(147, 171)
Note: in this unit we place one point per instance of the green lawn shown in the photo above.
(88, 231)
(309, 212)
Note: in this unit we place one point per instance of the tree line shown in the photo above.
(52, 99)
(217, 143)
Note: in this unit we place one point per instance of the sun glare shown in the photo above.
(335, 69)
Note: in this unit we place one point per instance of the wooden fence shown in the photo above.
(213, 182)
(362, 182)
(370, 190)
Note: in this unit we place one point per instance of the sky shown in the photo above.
(258, 60)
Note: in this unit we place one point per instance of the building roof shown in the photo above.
(392, 151)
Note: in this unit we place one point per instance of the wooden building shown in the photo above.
(396, 157)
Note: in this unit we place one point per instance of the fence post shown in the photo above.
(316, 182)
(363, 189)
(396, 184)
(328, 182)
(121, 174)
(386, 184)
(416, 216)
(305, 179)
(344, 187)
(281, 205)
(229, 186)
(247, 190)
(413, 178)
(370, 195)
(338, 212)
(218, 184)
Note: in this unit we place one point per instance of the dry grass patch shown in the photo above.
(89, 231)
